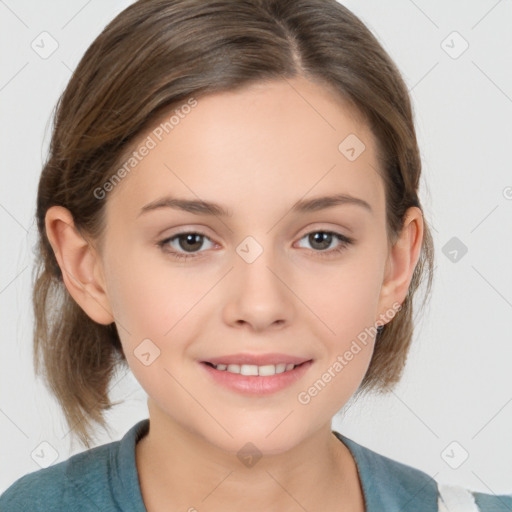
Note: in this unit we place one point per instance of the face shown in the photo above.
(264, 276)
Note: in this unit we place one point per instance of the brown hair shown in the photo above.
(155, 55)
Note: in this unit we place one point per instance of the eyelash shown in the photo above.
(344, 243)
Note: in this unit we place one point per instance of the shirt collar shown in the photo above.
(126, 468)
(391, 485)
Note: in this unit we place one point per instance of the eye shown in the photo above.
(322, 240)
(184, 245)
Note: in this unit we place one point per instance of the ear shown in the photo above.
(402, 260)
(80, 265)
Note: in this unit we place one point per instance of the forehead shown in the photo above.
(264, 145)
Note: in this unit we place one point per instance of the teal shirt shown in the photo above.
(105, 479)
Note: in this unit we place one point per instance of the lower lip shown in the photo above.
(255, 385)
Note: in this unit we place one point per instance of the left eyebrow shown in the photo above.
(200, 207)
(321, 203)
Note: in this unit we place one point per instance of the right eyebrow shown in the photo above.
(197, 207)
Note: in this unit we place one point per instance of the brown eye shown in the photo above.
(321, 241)
(191, 241)
(184, 245)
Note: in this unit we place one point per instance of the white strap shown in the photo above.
(455, 499)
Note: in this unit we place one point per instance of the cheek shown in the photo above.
(152, 307)
(348, 310)
(343, 301)
(345, 298)
(149, 297)
(159, 309)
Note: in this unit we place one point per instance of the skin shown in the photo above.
(255, 151)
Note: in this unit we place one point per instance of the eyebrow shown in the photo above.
(200, 207)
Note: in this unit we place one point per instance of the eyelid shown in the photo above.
(325, 227)
(307, 231)
(343, 242)
(168, 238)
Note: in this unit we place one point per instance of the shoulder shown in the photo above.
(87, 482)
(55, 488)
(493, 502)
(393, 485)
(390, 485)
(453, 497)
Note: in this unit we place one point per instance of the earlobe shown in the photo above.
(402, 260)
(79, 264)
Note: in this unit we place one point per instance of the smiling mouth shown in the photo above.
(255, 370)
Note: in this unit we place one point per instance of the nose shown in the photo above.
(258, 295)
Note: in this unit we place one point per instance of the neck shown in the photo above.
(181, 468)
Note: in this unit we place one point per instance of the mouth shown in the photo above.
(266, 370)
(256, 375)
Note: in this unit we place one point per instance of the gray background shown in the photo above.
(458, 382)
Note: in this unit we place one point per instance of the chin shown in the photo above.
(260, 438)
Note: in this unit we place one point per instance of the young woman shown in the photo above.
(230, 208)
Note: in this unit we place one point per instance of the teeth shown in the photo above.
(248, 369)
(267, 370)
(252, 369)
(280, 368)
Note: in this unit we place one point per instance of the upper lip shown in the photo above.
(257, 359)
